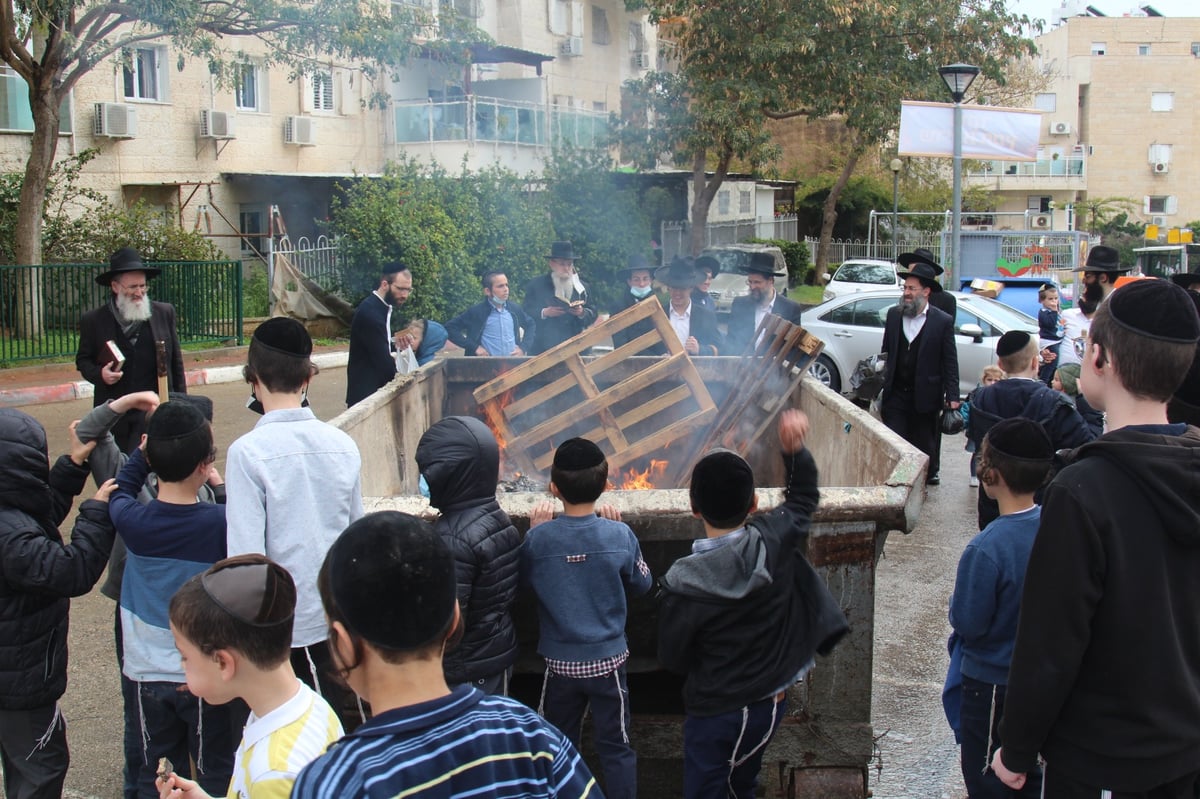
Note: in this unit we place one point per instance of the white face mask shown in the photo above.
(641, 292)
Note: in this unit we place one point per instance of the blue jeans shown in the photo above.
(723, 754)
(175, 724)
(564, 701)
(982, 706)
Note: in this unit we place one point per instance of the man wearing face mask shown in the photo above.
(372, 365)
(641, 287)
(495, 326)
(291, 486)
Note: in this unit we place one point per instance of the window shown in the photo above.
(1098, 48)
(322, 91)
(1196, 49)
(745, 202)
(1143, 49)
(1046, 101)
(144, 76)
(600, 31)
(1160, 205)
(599, 105)
(1159, 154)
(1038, 203)
(723, 201)
(251, 219)
(250, 88)
(964, 317)
(1162, 101)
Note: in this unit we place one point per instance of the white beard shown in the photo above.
(133, 310)
(563, 286)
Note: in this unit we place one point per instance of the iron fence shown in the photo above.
(40, 306)
(320, 261)
(675, 235)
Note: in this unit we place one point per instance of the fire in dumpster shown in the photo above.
(633, 479)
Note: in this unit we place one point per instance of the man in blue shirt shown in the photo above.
(495, 326)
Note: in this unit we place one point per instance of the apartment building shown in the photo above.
(222, 158)
(1119, 121)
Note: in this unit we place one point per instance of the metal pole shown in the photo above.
(895, 207)
(952, 269)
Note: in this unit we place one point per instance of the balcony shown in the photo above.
(1062, 173)
(488, 130)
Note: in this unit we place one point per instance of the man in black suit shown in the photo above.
(747, 313)
(372, 365)
(495, 326)
(558, 302)
(133, 323)
(707, 266)
(695, 326)
(639, 276)
(921, 376)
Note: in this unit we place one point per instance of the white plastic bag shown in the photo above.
(406, 361)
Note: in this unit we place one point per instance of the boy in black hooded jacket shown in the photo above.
(38, 576)
(459, 461)
(722, 617)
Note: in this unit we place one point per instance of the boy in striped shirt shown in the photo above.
(233, 628)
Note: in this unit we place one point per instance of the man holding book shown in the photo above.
(558, 301)
(119, 342)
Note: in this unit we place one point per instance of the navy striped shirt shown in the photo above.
(466, 744)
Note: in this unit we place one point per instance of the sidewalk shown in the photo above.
(61, 382)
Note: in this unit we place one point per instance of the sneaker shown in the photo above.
(974, 482)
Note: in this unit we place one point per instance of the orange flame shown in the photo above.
(635, 480)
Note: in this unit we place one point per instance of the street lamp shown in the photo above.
(895, 166)
(958, 78)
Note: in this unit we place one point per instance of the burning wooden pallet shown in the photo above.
(632, 414)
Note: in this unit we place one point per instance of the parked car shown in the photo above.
(730, 282)
(860, 274)
(852, 329)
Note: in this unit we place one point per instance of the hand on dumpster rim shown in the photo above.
(1010, 778)
(608, 511)
(542, 512)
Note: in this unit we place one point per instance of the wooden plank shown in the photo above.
(642, 412)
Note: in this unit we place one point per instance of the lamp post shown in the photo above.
(958, 78)
(895, 166)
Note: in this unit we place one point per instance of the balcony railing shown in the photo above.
(1071, 166)
(476, 118)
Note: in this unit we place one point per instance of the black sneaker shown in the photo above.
(933, 479)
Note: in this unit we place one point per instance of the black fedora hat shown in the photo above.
(923, 272)
(679, 274)
(124, 260)
(919, 256)
(637, 263)
(761, 263)
(1102, 259)
(562, 251)
(1186, 279)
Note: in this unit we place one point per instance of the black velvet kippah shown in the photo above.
(198, 401)
(576, 454)
(1012, 341)
(392, 267)
(173, 420)
(1156, 309)
(284, 335)
(392, 580)
(1020, 439)
(722, 487)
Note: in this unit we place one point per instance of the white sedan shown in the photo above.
(860, 274)
(852, 329)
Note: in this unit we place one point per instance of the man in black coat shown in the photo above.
(695, 326)
(640, 280)
(747, 313)
(558, 301)
(707, 266)
(921, 377)
(495, 326)
(371, 365)
(133, 323)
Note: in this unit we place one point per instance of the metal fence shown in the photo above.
(675, 236)
(320, 261)
(843, 249)
(40, 306)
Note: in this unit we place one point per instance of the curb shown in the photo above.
(82, 389)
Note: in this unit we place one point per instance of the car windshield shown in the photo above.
(730, 260)
(880, 274)
(1005, 316)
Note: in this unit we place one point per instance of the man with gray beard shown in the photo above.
(921, 376)
(558, 302)
(117, 342)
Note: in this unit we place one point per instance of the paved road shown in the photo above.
(917, 755)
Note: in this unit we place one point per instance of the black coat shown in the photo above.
(937, 360)
(371, 365)
(460, 461)
(623, 337)
(741, 320)
(38, 573)
(539, 294)
(703, 326)
(466, 329)
(100, 325)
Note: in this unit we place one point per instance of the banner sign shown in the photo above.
(1006, 134)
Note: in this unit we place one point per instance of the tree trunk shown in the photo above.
(44, 102)
(829, 214)
(703, 191)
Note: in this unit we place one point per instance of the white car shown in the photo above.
(852, 329)
(860, 274)
(730, 283)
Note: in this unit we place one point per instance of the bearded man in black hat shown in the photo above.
(1100, 273)
(921, 377)
(558, 301)
(747, 313)
(127, 327)
(372, 365)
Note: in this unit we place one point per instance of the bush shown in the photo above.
(797, 256)
(255, 293)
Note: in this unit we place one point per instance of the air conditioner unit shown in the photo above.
(642, 61)
(571, 46)
(216, 124)
(1060, 128)
(1161, 167)
(1161, 221)
(300, 130)
(115, 120)
(1039, 221)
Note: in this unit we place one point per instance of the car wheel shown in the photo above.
(825, 371)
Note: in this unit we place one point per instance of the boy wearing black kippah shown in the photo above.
(581, 567)
(1105, 676)
(744, 615)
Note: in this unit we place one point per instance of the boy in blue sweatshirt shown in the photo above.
(1014, 461)
(169, 539)
(581, 566)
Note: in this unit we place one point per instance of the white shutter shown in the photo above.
(576, 19)
(306, 94)
(1146, 205)
(556, 17)
(1171, 206)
